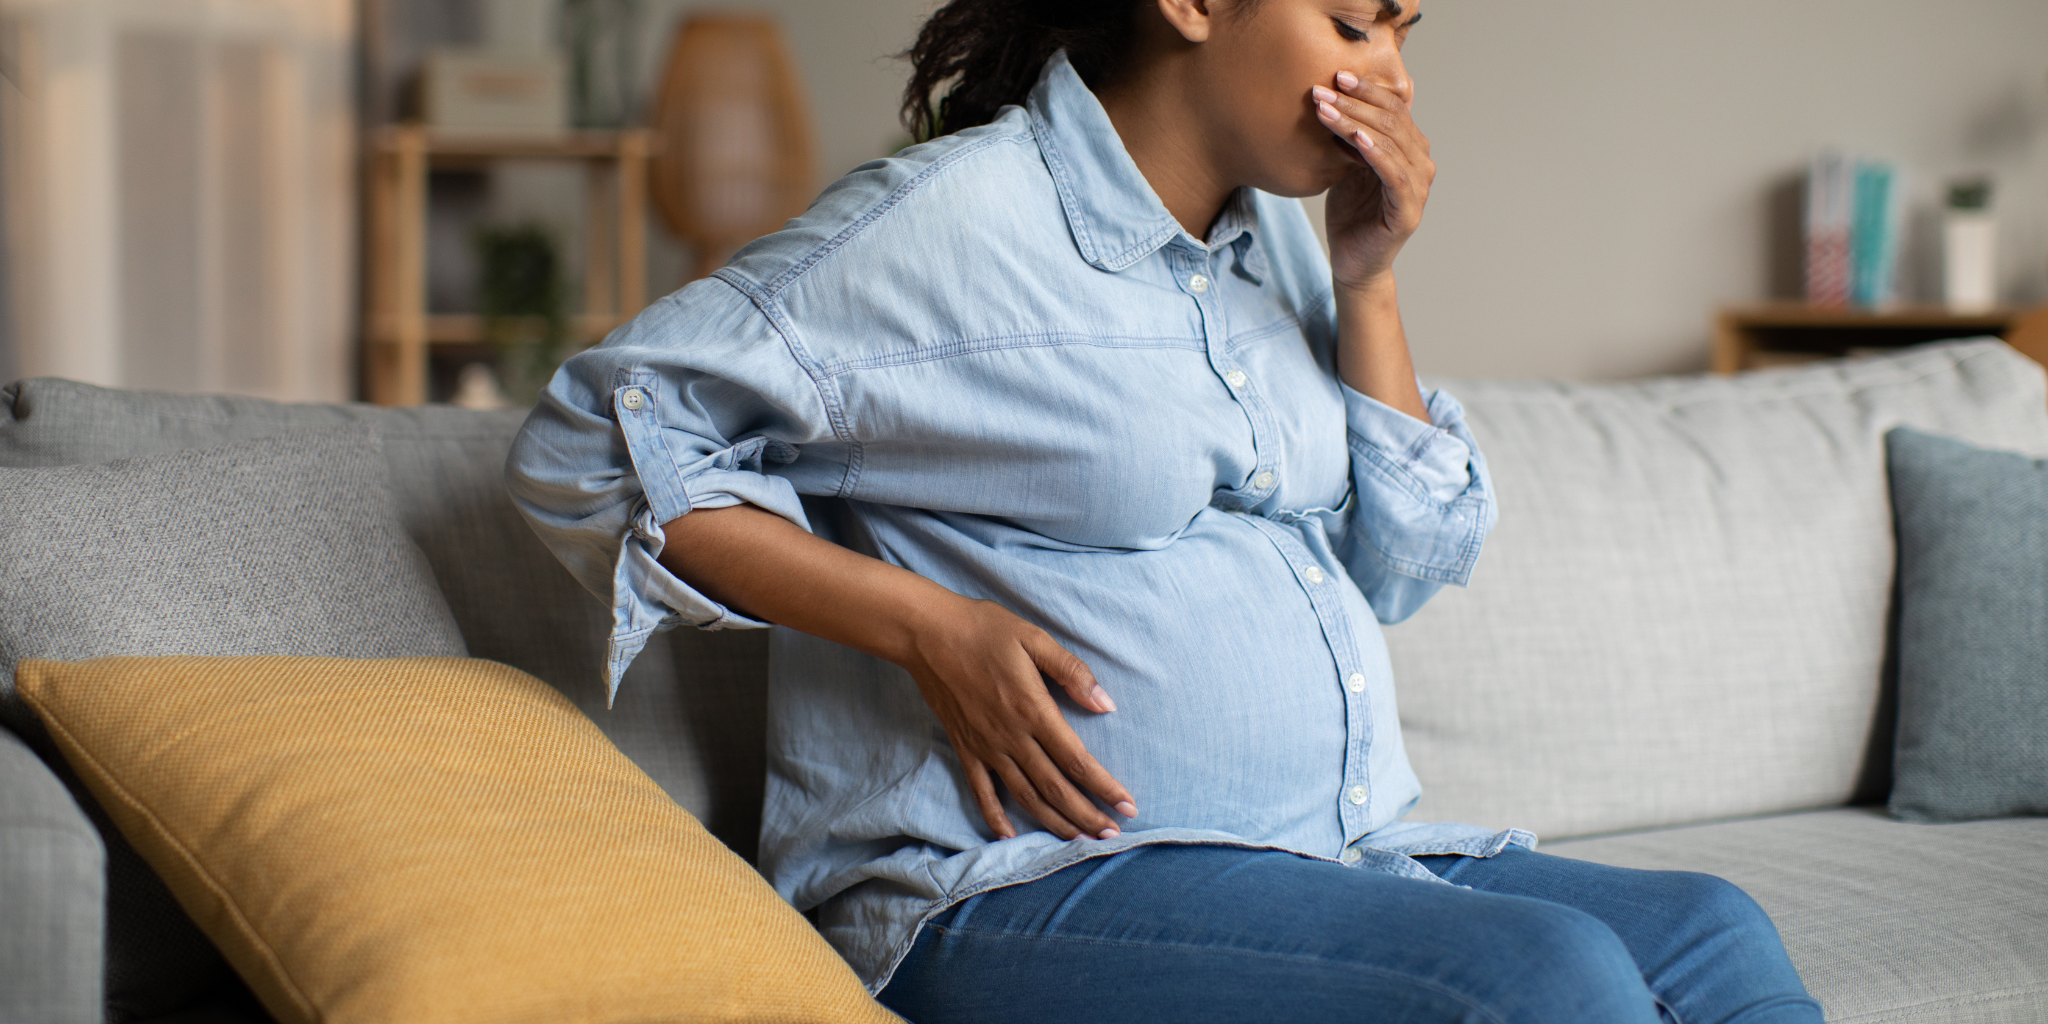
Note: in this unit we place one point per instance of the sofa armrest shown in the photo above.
(53, 894)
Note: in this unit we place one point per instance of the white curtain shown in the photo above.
(179, 194)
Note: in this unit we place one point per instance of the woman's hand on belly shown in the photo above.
(980, 668)
(982, 671)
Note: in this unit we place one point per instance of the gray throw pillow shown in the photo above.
(1973, 630)
(286, 545)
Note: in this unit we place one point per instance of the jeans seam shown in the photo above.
(1453, 994)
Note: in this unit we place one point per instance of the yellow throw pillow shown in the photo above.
(429, 841)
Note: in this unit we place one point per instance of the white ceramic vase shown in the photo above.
(1969, 261)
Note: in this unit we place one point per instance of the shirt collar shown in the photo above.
(1116, 218)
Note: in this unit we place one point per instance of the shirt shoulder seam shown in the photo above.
(874, 213)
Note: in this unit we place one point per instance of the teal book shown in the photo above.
(1874, 232)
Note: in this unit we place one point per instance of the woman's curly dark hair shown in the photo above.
(988, 53)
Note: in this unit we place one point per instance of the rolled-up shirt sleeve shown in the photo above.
(1423, 502)
(684, 408)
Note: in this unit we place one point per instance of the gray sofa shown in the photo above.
(1674, 655)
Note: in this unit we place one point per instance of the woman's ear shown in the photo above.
(1188, 17)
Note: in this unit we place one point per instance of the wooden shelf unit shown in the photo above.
(398, 333)
(1777, 334)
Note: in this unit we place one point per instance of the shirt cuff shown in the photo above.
(648, 599)
(1425, 458)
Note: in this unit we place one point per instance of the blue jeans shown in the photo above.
(1214, 933)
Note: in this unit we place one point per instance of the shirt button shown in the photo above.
(1357, 795)
(633, 400)
(1236, 378)
(1262, 481)
(1314, 574)
(1351, 855)
(1355, 683)
(1198, 284)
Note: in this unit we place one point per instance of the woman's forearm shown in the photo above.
(768, 568)
(1372, 348)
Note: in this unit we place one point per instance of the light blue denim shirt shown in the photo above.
(996, 360)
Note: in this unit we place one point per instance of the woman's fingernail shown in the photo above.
(1101, 698)
(1127, 809)
(1108, 833)
(1346, 80)
(1327, 110)
(1363, 139)
(1323, 95)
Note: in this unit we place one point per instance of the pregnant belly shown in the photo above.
(1230, 713)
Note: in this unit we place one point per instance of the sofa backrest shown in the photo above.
(691, 712)
(1682, 614)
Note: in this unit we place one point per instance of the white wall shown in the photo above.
(1607, 167)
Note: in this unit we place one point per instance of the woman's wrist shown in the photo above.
(920, 612)
(1377, 292)
(1372, 347)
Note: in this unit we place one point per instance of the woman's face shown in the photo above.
(1263, 60)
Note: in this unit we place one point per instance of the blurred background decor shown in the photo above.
(178, 196)
(418, 337)
(735, 154)
(179, 178)
(511, 84)
(729, 157)
(522, 307)
(603, 37)
(1970, 248)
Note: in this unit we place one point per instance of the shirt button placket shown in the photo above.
(1198, 283)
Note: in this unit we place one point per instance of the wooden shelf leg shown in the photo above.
(378, 281)
(1732, 345)
(599, 251)
(409, 270)
(632, 197)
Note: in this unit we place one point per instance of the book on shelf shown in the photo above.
(1855, 213)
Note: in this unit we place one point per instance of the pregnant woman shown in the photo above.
(1076, 483)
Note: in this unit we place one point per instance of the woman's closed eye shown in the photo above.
(1351, 33)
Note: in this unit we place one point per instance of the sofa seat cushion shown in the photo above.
(430, 839)
(1887, 921)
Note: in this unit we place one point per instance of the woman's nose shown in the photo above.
(1389, 71)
